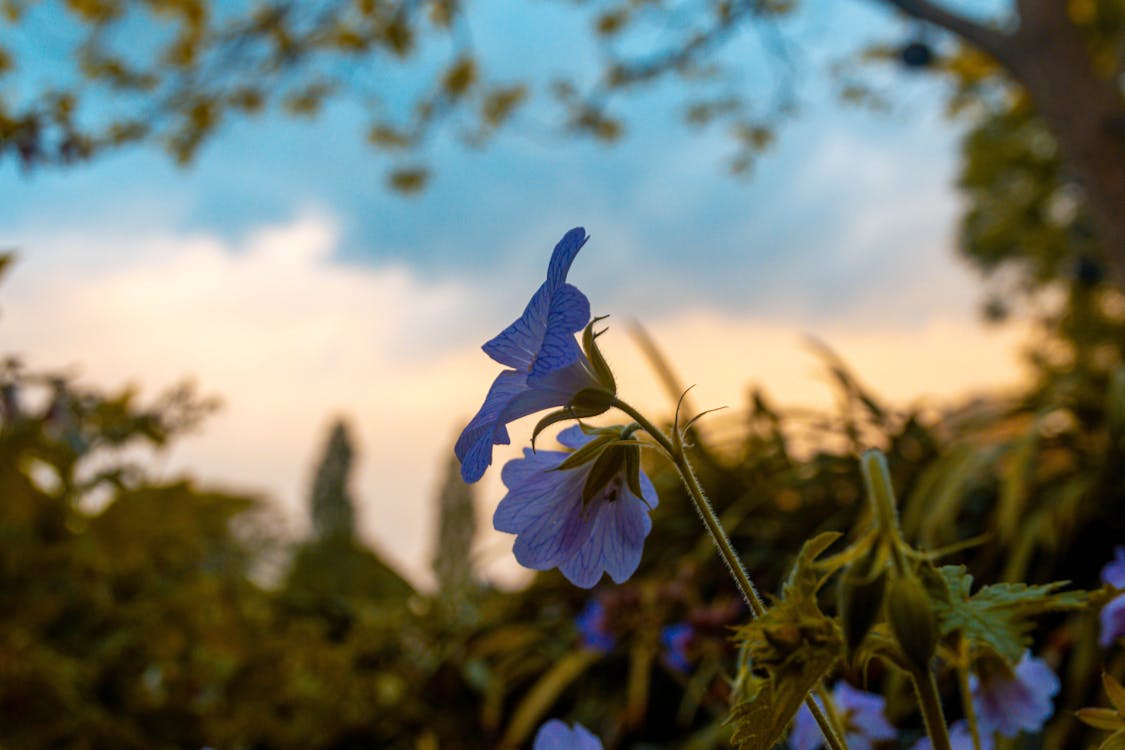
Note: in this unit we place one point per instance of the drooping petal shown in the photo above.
(563, 255)
(615, 543)
(1112, 620)
(547, 517)
(486, 428)
(555, 735)
(534, 489)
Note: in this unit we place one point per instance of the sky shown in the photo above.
(279, 274)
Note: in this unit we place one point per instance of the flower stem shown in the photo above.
(966, 693)
(925, 687)
(726, 549)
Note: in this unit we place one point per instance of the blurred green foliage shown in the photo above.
(146, 612)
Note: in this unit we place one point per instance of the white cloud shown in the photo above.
(289, 339)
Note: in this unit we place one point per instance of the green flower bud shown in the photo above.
(912, 620)
(594, 354)
(859, 597)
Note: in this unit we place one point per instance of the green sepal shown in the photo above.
(588, 452)
(608, 465)
(562, 415)
(859, 596)
(594, 354)
(592, 401)
(633, 470)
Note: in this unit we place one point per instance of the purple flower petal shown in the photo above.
(555, 528)
(676, 639)
(1114, 572)
(1112, 621)
(563, 255)
(861, 712)
(1022, 702)
(592, 627)
(555, 735)
(960, 738)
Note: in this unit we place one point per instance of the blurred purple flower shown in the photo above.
(548, 366)
(1114, 571)
(1112, 621)
(676, 639)
(555, 735)
(1015, 703)
(1113, 613)
(554, 528)
(592, 626)
(861, 713)
(960, 738)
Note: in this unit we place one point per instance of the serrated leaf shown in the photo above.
(789, 651)
(997, 617)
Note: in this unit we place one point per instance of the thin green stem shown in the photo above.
(967, 694)
(925, 687)
(733, 562)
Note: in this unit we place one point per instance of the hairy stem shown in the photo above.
(925, 687)
(734, 564)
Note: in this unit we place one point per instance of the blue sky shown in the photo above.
(280, 255)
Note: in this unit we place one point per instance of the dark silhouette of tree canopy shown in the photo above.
(201, 64)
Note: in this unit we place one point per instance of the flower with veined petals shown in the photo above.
(960, 738)
(556, 527)
(592, 627)
(555, 735)
(676, 639)
(1016, 702)
(548, 366)
(1112, 617)
(861, 713)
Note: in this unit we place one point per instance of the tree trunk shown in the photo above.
(1085, 112)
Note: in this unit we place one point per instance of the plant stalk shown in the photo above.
(726, 549)
(925, 687)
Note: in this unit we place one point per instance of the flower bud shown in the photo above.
(912, 620)
(859, 596)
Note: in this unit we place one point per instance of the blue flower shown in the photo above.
(555, 735)
(592, 626)
(676, 639)
(1113, 614)
(556, 528)
(860, 711)
(1009, 703)
(960, 738)
(1114, 571)
(548, 368)
(1112, 621)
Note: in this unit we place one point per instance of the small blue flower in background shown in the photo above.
(960, 738)
(677, 639)
(555, 528)
(1022, 701)
(592, 627)
(1113, 614)
(548, 366)
(555, 735)
(861, 713)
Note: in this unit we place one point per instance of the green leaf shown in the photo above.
(998, 617)
(789, 650)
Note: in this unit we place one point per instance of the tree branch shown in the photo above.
(990, 41)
